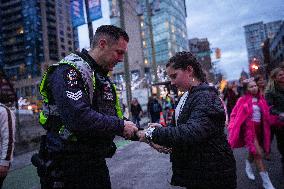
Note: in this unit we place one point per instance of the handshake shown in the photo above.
(131, 132)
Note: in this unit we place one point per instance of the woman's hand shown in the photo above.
(160, 148)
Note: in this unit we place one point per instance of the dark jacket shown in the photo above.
(276, 100)
(154, 108)
(201, 156)
(136, 109)
(95, 125)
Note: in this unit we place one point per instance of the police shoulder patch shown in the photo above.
(71, 77)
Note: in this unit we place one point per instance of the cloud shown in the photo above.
(222, 21)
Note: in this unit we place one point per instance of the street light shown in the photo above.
(254, 67)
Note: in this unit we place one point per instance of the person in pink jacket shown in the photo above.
(249, 126)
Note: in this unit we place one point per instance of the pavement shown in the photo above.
(137, 166)
(22, 174)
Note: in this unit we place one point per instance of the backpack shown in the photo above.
(156, 107)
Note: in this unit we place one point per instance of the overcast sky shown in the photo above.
(221, 22)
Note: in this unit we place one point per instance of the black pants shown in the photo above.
(279, 133)
(76, 173)
(1, 181)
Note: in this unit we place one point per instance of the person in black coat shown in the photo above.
(274, 95)
(200, 154)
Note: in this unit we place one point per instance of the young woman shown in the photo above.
(275, 97)
(250, 126)
(201, 156)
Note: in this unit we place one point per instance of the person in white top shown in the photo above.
(7, 139)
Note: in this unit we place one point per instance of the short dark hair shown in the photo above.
(111, 32)
(181, 60)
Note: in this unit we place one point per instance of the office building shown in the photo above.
(255, 35)
(33, 35)
(201, 49)
(135, 51)
(276, 48)
(169, 30)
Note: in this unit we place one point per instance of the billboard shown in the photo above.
(77, 13)
(95, 9)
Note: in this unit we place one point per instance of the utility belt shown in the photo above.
(53, 145)
(51, 157)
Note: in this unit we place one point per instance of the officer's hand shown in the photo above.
(130, 129)
(3, 170)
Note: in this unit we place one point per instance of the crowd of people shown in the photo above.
(255, 115)
(82, 115)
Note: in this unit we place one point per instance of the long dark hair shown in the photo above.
(181, 60)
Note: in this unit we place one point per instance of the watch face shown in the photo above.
(149, 132)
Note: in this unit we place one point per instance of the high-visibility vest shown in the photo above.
(89, 79)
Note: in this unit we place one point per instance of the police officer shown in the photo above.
(81, 114)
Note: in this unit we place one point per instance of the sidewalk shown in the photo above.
(22, 174)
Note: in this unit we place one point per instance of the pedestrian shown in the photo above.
(261, 83)
(136, 112)
(201, 156)
(154, 108)
(240, 86)
(231, 95)
(7, 139)
(274, 95)
(250, 126)
(81, 115)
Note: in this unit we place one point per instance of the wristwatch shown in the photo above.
(148, 133)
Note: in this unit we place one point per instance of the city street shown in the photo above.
(137, 166)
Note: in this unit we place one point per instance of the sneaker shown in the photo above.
(249, 172)
(266, 183)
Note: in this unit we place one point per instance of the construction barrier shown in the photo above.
(162, 120)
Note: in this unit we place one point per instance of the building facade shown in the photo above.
(201, 49)
(168, 20)
(33, 35)
(135, 51)
(277, 48)
(255, 35)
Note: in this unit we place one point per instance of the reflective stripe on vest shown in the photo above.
(88, 78)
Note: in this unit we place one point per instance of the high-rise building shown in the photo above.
(33, 33)
(255, 35)
(201, 48)
(277, 48)
(134, 52)
(169, 30)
